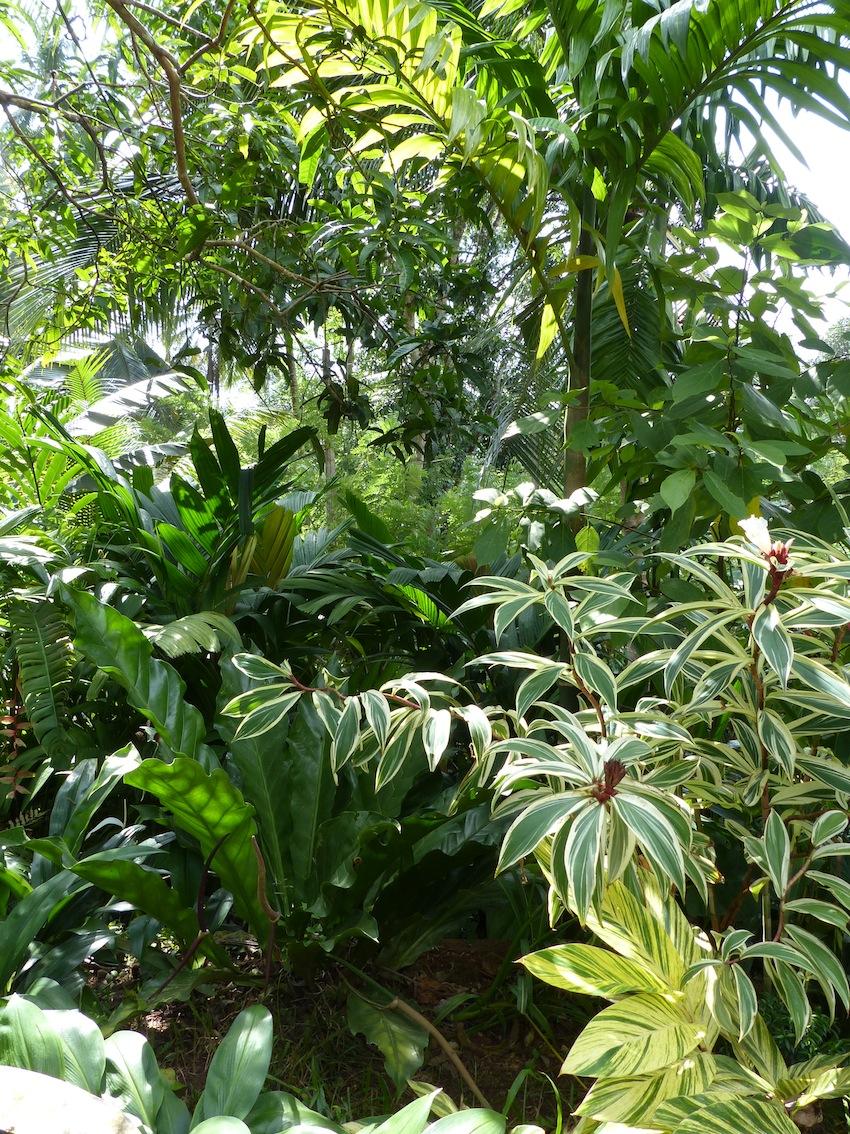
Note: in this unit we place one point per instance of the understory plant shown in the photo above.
(677, 771)
(45, 1033)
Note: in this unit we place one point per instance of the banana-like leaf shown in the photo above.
(208, 807)
(117, 646)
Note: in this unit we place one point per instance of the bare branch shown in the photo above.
(212, 44)
(169, 67)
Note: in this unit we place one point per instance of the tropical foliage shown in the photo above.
(423, 518)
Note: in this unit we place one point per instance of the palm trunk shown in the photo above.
(575, 464)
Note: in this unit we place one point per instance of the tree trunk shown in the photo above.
(292, 369)
(575, 464)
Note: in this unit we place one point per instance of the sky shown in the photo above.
(826, 180)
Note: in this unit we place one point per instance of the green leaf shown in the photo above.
(143, 888)
(474, 1121)
(28, 1039)
(208, 807)
(654, 834)
(596, 674)
(116, 645)
(732, 504)
(640, 1034)
(83, 1050)
(401, 1041)
(411, 1119)
(774, 641)
(828, 826)
(581, 857)
(591, 971)
(777, 849)
(133, 1076)
(221, 1125)
(19, 929)
(676, 489)
(240, 1065)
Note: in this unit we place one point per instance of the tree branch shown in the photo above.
(169, 67)
(211, 44)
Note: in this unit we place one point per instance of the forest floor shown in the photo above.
(514, 1062)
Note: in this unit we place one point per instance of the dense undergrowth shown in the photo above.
(251, 759)
(424, 570)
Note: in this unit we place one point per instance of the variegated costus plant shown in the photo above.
(677, 770)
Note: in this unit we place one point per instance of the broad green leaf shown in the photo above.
(83, 1051)
(239, 1066)
(143, 888)
(208, 807)
(475, 1121)
(28, 1039)
(221, 1125)
(133, 1076)
(640, 1034)
(401, 1041)
(726, 1114)
(116, 645)
(677, 488)
(19, 928)
(411, 1119)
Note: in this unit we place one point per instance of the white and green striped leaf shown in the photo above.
(774, 641)
(633, 1037)
(592, 971)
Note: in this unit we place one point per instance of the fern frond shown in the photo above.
(45, 657)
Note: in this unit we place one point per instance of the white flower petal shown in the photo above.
(755, 529)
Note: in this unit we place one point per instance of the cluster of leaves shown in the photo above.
(693, 748)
